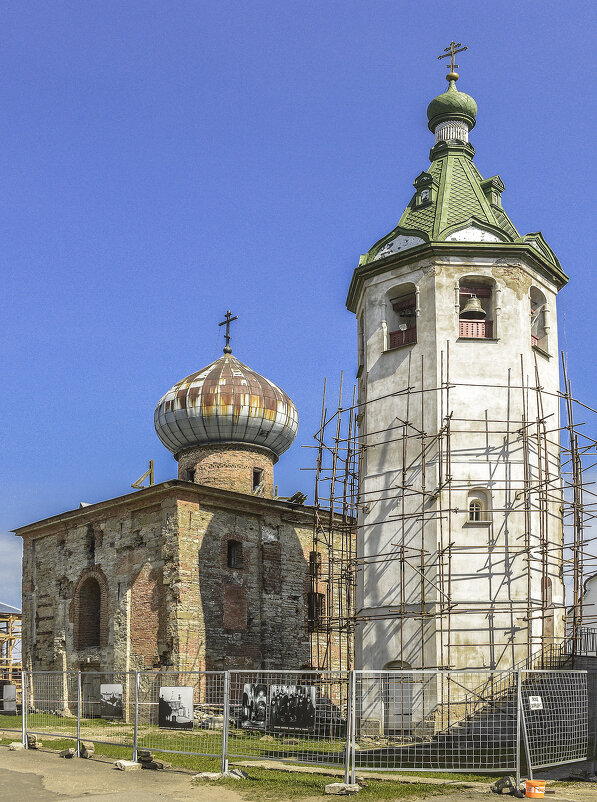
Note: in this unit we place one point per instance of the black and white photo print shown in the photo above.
(110, 701)
(8, 699)
(292, 707)
(254, 707)
(175, 709)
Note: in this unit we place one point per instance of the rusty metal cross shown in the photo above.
(228, 320)
(451, 52)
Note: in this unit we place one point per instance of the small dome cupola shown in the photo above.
(452, 114)
(226, 424)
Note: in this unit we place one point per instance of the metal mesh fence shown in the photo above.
(181, 712)
(107, 707)
(52, 703)
(289, 715)
(405, 720)
(11, 703)
(441, 721)
(555, 707)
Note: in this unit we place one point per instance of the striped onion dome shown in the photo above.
(226, 402)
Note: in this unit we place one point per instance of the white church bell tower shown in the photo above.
(460, 523)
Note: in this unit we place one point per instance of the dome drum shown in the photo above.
(229, 466)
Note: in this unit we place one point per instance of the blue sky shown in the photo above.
(163, 161)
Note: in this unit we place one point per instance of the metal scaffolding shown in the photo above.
(555, 458)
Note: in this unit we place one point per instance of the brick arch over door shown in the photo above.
(89, 609)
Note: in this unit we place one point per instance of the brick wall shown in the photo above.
(147, 614)
(229, 467)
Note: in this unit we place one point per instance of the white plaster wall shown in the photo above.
(490, 580)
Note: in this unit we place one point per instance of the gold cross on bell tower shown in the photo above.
(455, 47)
(226, 322)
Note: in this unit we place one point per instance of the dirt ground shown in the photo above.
(37, 776)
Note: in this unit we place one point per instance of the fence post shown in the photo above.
(225, 726)
(348, 728)
(24, 706)
(518, 709)
(136, 722)
(523, 725)
(79, 695)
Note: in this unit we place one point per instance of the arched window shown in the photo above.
(476, 305)
(402, 316)
(538, 319)
(478, 506)
(90, 605)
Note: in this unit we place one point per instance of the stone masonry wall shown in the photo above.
(169, 595)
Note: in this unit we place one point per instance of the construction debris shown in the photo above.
(87, 749)
(127, 765)
(342, 789)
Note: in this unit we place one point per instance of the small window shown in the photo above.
(90, 542)
(315, 611)
(478, 506)
(234, 555)
(475, 511)
(314, 564)
(257, 480)
(189, 475)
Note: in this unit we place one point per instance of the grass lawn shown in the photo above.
(270, 784)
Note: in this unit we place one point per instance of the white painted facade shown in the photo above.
(436, 589)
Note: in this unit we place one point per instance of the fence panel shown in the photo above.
(181, 711)
(52, 703)
(435, 720)
(404, 720)
(289, 715)
(555, 706)
(107, 706)
(11, 703)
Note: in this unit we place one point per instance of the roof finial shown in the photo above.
(228, 320)
(451, 52)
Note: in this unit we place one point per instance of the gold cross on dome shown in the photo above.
(451, 52)
(226, 322)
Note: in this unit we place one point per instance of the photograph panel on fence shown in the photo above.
(254, 707)
(175, 709)
(8, 695)
(292, 707)
(110, 700)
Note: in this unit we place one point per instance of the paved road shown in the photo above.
(37, 776)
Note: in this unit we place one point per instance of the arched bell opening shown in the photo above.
(476, 308)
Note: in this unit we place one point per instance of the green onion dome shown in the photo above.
(452, 105)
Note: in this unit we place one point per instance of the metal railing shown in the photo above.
(406, 720)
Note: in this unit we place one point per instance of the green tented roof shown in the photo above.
(459, 198)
